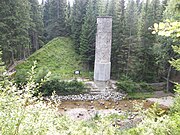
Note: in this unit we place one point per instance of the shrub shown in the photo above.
(128, 85)
(176, 105)
(21, 113)
(21, 76)
(62, 87)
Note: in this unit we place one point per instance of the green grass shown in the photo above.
(57, 56)
(139, 95)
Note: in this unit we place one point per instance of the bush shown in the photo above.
(62, 87)
(176, 105)
(21, 76)
(128, 85)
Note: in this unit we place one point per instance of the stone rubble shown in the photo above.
(84, 114)
(114, 96)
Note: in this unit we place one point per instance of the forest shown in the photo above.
(26, 26)
(42, 44)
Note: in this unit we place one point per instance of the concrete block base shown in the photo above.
(102, 85)
(102, 71)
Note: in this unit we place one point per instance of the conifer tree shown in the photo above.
(46, 14)
(78, 14)
(131, 36)
(106, 8)
(103, 6)
(144, 45)
(15, 22)
(149, 15)
(56, 24)
(87, 38)
(36, 26)
(68, 19)
(117, 11)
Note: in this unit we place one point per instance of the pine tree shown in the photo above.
(103, 6)
(117, 11)
(143, 54)
(131, 19)
(46, 14)
(78, 14)
(36, 27)
(15, 19)
(149, 15)
(56, 19)
(68, 19)
(106, 8)
(87, 38)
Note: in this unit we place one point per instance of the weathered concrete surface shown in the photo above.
(102, 71)
(102, 66)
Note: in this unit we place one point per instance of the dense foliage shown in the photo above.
(135, 51)
(62, 87)
(21, 29)
(128, 85)
(22, 113)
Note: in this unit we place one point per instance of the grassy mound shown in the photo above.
(57, 56)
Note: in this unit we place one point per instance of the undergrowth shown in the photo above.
(22, 113)
(126, 84)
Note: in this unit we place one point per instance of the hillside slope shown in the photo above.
(57, 56)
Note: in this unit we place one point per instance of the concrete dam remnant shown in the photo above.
(102, 68)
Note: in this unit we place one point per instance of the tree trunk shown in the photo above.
(168, 78)
(12, 57)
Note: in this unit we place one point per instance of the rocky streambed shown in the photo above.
(83, 110)
(89, 106)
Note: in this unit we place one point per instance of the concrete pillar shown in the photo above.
(102, 66)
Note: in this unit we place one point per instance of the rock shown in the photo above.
(118, 122)
(167, 102)
(81, 114)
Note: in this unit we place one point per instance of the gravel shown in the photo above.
(114, 96)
